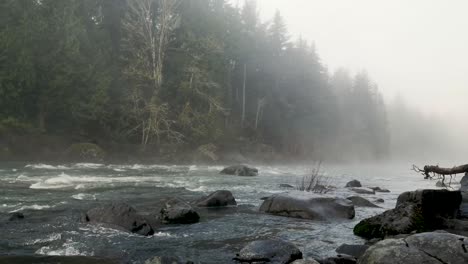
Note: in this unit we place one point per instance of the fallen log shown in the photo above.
(441, 172)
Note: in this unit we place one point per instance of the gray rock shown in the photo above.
(340, 259)
(176, 211)
(16, 216)
(240, 170)
(440, 184)
(120, 215)
(305, 261)
(352, 250)
(269, 251)
(361, 202)
(353, 183)
(424, 248)
(379, 200)
(378, 189)
(433, 203)
(217, 199)
(363, 190)
(316, 208)
(284, 185)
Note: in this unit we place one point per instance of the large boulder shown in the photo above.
(316, 208)
(240, 170)
(361, 202)
(442, 203)
(402, 220)
(424, 248)
(353, 183)
(217, 199)
(176, 211)
(352, 250)
(269, 251)
(119, 215)
(85, 152)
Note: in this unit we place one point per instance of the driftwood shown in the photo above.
(438, 172)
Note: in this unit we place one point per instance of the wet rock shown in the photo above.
(176, 211)
(363, 190)
(264, 198)
(380, 200)
(240, 170)
(283, 185)
(378, 189)
(217, 199)
(401, 220)
(355, 251)
(16, 216)
(269, 251)
(354, 183)
(315, 208)
(433, 247)
(340, 259)
(433, 203)
(361, 202)
(120, 215)
(167, 260)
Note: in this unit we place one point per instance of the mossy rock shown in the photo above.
(85, 152)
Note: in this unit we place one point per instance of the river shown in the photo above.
(53, 197)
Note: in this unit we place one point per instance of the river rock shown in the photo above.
(167, 260)
(16, 216)
(305, 261)
(315, 208)
(240, 170)
(354, 183)
(361, 202)
(121, 215)
(424, 248)
(433, 203)
(217, 199)
(363, 190)
(176, 211)
(352, 250)
(340, 259)
(378, 189)
(379, 200)
(269, 251)
(284, 185)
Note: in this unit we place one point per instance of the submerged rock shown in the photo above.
(16, 216)
(354, 183)
(378, 189)
(379, 200)
(176, 211)
(269, 251)
(217, 199)
(240, 170)
(316, 208)
(361, 202)
(424, 248)
(121, 215)
(363, 190)
(284, 185)
(352, 250)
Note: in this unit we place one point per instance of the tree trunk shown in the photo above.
(445, 171)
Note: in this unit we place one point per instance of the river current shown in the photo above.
(53, 197)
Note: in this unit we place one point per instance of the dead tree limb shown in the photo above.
(441, 172)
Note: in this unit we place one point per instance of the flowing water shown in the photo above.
(53, 197)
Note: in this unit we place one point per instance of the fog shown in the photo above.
(414, 50)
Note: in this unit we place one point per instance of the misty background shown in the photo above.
(334, 80)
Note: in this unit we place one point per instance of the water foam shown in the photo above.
(84, 196)
(50, 238)
(32, 207)
(46, 166)
(69, 248)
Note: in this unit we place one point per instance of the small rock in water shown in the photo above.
(352, 250)
(378, 189)
(362, 202)
(176, 211)
(16, 216)
(363, 190)
(283, 185)
(380, 200)
(269, 251)
(354, 183)
(217, 199)
(240, 170)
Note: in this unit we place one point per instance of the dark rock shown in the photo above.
(217, 199)
(176, 211)
(16, 216)
(363, 190)
(354, 183)
(362, 202)
(316, 208)
(401, 220)
(378, 189)
(352, 250)
(240, 170)
(434, 247)
(380, 200)
(269, 251)
(340, 259)
(264, 198)
(167, 260)
(120, 215)
(433, 203)
(283, 185)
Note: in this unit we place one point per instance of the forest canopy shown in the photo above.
(184, 72)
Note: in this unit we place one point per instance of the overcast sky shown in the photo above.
(417, 48)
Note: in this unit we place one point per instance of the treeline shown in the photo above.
(189, 72)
